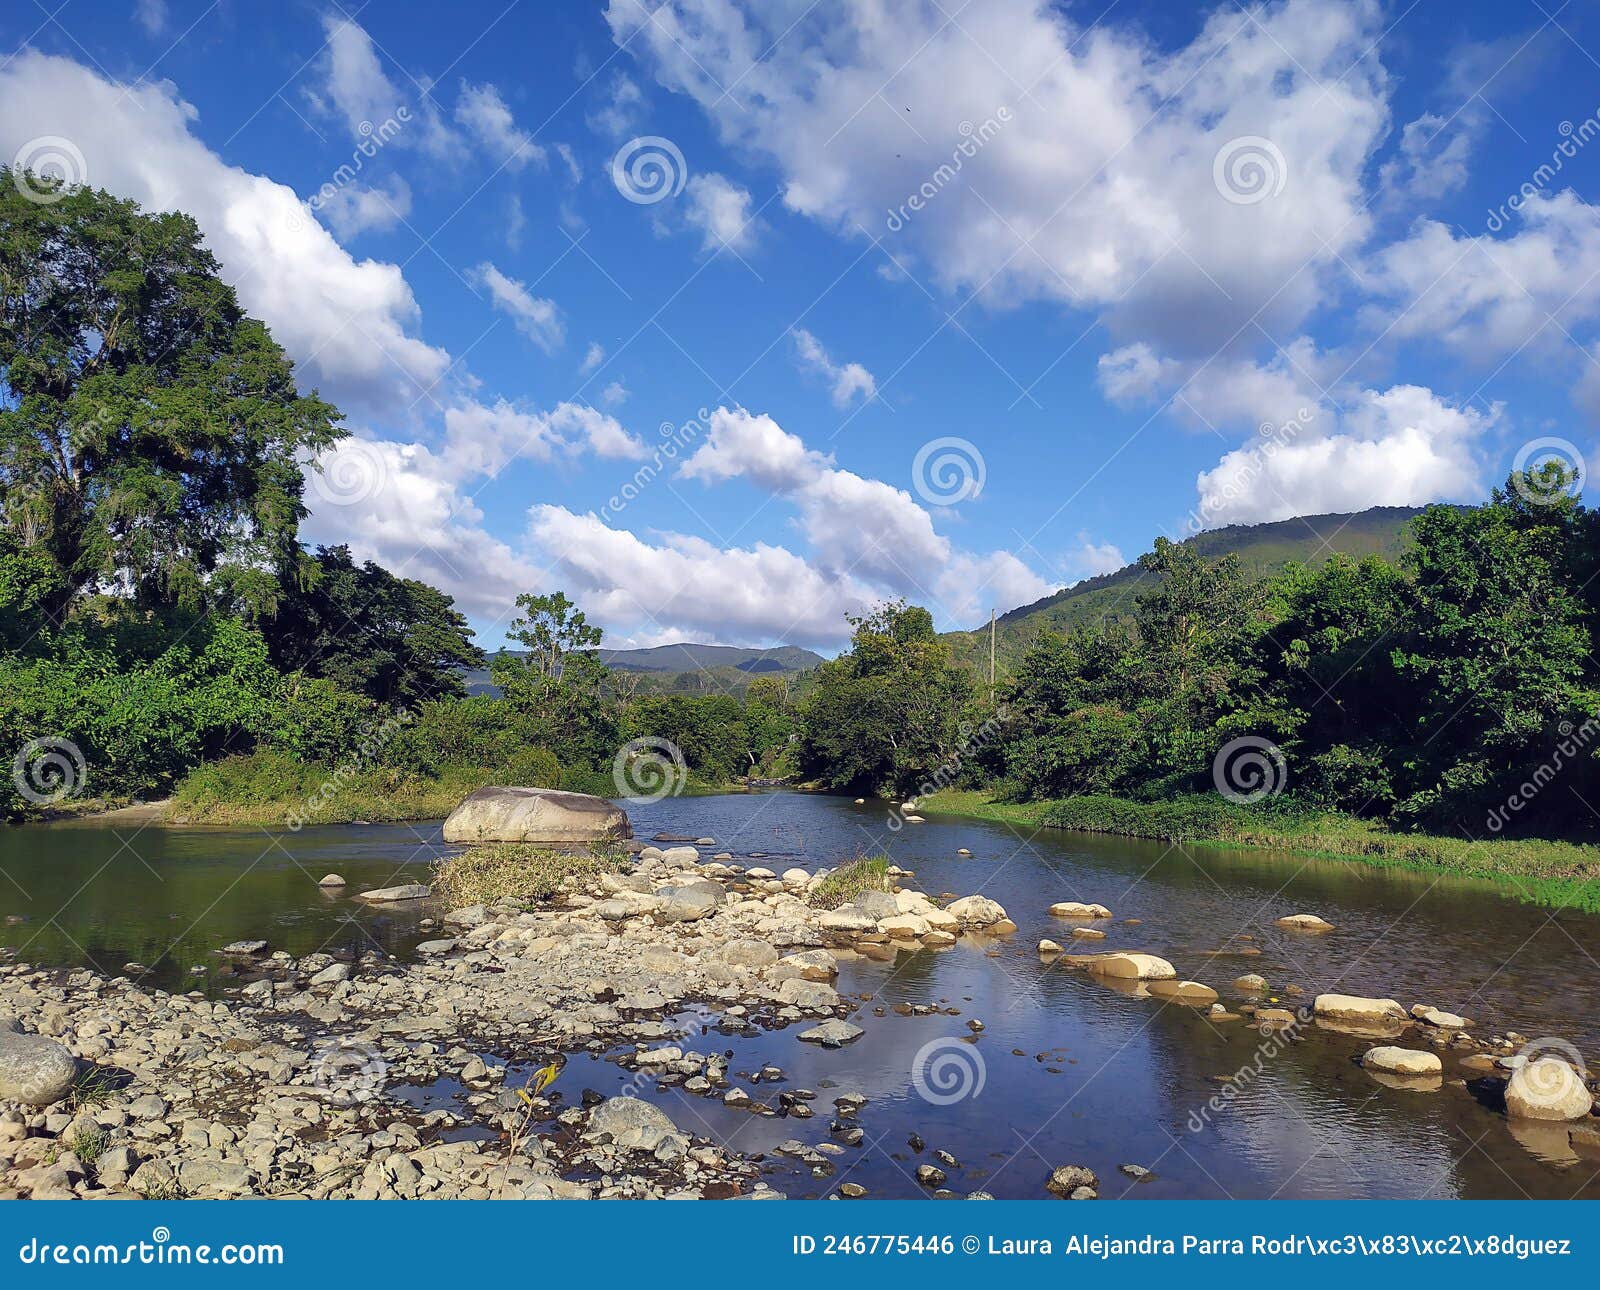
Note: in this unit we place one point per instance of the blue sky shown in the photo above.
(1136, 269)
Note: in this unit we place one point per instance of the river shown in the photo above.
(1065, 1070)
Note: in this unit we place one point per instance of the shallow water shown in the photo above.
(1103, 1079)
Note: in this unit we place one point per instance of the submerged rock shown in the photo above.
(832, 1034)
(1069, 1180)
(404, 891)
(1305, 923)
(1077, 909)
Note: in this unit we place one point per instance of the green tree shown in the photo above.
(150, 430)
(395, 640)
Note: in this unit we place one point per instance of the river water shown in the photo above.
(1065, 1070)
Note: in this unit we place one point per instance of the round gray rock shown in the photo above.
(34, 1069)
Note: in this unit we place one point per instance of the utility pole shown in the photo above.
(991, 655)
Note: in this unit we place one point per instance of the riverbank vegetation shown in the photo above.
(163, 630)
(489, 874)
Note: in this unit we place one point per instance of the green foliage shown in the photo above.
(852, 880)
(488, 874)
(885, 715)
(394, 640)
(150, 430)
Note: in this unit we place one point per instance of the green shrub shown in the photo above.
(851, 880)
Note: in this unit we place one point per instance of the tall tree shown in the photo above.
(394, 640)
(150, 429)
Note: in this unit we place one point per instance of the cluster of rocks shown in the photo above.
(1545, 1083)
(288, 1086)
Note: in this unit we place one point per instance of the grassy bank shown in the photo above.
(270, 790)
(1556, 874)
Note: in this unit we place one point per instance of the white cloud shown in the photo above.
(484, 114)
(621, 109)
(720, 209)
(857, 527)
(614, 394)
(1404, 446)
(1488, 297)
(1432, 162)
(686, 586)
(1222, 392)
(348, 323)
(536, 318)
(364, 208)
(482, 440)
(151, 15)
(1089, 559)
(592, 358)
(407, 511)
(862, 103)
(847, 380)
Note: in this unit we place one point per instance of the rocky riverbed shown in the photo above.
(296, 1081)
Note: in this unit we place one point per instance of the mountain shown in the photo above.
(689, 668)
(1263, 549)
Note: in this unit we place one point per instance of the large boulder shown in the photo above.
(1134, 967)
(1547, 1088)
(34, 1069)
(634, 1125)
(977, 911)
(689, 902)
(539, 815)
(1401, 1061)
(1355, 1010)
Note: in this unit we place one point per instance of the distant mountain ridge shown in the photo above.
(1263, 550)
(687, 666)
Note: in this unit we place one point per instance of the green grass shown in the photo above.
(1554, 874)
(89, 1144)
(486, 875)
(269, 789)
(93, 1086)
(844, 884)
